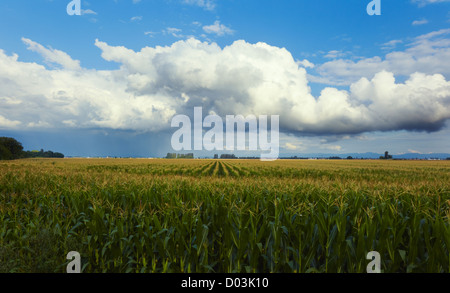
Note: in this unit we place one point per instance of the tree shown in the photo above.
(5, 154)
(227, 156)
(10, 148)
(171, 156)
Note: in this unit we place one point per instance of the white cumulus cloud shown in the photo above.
(218, 29)
(155, 83)
(205, 4)
(428, 53)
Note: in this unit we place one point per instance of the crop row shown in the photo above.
(222, 216)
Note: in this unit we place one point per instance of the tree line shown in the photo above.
(179, 156)
(11, 149)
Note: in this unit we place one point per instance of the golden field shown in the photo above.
(158, 215)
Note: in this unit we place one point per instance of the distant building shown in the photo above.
(228, 156)
(386, 156)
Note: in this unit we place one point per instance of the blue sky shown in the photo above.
(73, 75)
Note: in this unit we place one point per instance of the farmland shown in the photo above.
(224, 216)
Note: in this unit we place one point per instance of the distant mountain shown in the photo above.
(370, 155)
(423, 156)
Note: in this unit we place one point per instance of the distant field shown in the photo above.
(139, 215)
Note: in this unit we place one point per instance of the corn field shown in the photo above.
(224, 216)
